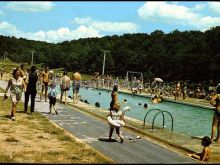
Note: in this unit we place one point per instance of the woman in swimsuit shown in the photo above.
(215, 101)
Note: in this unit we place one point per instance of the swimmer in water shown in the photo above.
(145, 106)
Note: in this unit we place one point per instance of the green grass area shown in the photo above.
(2, 90)
(9, 65)
(35, 139)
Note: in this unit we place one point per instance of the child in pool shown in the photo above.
(145, 106)
(116, 114)
(206, 152)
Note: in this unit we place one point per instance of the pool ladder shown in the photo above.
(160, 111)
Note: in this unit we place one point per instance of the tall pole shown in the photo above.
(5, 56)
(103, 67)
(32, 57)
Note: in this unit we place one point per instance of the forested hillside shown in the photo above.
(188, 55)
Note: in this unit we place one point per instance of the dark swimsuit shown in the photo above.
(113, 99)
(217, 111)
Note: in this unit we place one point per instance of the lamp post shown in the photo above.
(103, 67)
(32, 57)
(5, 56)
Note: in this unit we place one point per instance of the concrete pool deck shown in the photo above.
(179, 142)
(164, 137)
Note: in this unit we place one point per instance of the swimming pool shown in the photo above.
(189, 120)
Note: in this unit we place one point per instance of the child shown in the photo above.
(206, 152)
(116, 114)
(52, 97)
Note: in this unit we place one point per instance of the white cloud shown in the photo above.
(40, 35)
(86, 20)
(53, 36)
(7, 27)
(209, 21)
(87, 28)
(127, 27)
(178, 14)
(168, 11)
(64, 34)
(199, 7)
(215, 6)
(124, 27)
(30, 6)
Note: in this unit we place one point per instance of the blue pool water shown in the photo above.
(190, 120)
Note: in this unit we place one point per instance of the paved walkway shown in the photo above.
(95, 133)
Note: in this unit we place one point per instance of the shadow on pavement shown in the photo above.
(107, 140)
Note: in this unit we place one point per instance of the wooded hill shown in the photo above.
(188, 55)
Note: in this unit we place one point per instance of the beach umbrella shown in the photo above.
(77, 76)
(158, 79)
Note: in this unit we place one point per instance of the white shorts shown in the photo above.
(15, 98)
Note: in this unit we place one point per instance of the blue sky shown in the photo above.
(57, 21)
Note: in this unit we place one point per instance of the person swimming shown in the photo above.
(155, 99)
(145, 106)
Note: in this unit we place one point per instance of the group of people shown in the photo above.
(26, 81)
(23, 81)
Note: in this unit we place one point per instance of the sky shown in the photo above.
(58, 21)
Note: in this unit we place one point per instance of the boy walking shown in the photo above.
(52, 93)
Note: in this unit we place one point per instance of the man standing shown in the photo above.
(31, 89)
(45, 79)
(64, 86)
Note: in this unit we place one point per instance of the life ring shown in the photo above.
(115, 123)
(118, 123)
(126, 109)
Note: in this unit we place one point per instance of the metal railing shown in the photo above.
(160, 111)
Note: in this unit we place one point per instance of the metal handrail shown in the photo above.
(148, 113)
(160, 111)
(171, 118)
(163, 119)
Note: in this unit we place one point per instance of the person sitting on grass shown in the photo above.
(206, 152)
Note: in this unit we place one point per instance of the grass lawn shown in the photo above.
(34, 139)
